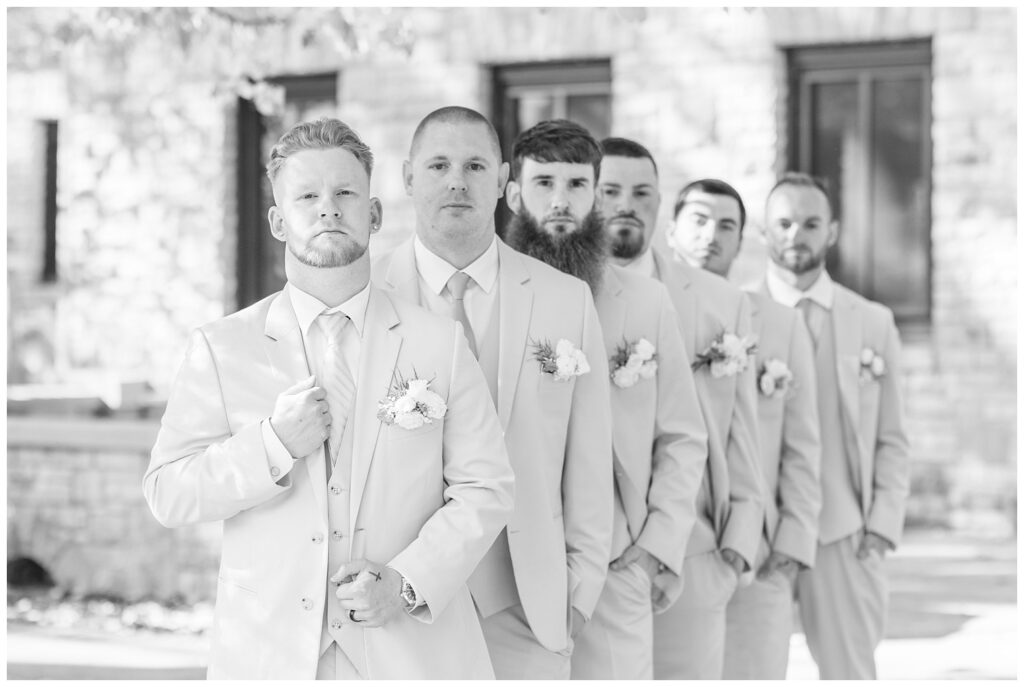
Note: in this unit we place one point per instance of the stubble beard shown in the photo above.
(581, 253)
(333, 256)
(799, 262)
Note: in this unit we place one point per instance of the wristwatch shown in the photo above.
(408, 594)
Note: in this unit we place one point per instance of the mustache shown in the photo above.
(581, 253)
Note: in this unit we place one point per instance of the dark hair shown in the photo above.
(624, 147)
(556, 140)
(803, 180)
(455, 114)
(324, 133)
(715, 187)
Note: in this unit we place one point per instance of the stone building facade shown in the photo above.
(148, 228)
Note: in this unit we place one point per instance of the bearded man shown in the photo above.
(659, 441)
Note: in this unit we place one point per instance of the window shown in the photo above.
(526, 94)
(260, 265)
(860, 117)
(49, 273)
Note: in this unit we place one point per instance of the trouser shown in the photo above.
(689, 637)
(843, 602)
(515, 652)
(759, 622)
(617, 642)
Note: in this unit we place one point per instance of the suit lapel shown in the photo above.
(678, 284)
(516, 309)
(611, 310)
(849, 336)
(380, 346)
(402, 275)
(287, 356)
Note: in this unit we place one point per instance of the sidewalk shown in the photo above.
(953, 615)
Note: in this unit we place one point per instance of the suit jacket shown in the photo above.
(558, 436)
(659, 437)
(427, 502)
(788, 431)
(708, 306)
(872, 411)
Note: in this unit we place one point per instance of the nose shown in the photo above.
(559, 199)
(707, 232)
(456, 181)
(328, 207)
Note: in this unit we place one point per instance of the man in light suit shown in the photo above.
(537, 337)
(760, 616)
(659, 441)
(865, 455)
(689, 638)
(349, 532)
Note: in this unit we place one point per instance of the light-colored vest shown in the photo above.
(840, 511)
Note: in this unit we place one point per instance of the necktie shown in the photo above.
(457, 284)
(813, 317)
(337, 378)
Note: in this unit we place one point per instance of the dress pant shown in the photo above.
(843, 602)
(515, 652)
(689, 638)
(334, 665)
(617, 642)
(759, 622)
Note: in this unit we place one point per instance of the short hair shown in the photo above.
(556, 140)
(804, 180)
(713, 186)
(624, 147)
(323, 134)
(455, 114)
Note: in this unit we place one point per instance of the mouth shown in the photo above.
(625, 223)
(456, 206)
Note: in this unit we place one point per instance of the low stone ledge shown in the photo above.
(81, 433)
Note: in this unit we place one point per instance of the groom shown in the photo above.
(349, 530)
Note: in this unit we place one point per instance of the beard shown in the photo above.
(329, 253)
(627, 242)
(799, 260)
(580, 253)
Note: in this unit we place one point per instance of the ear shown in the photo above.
(503, 173)
(276, 220)
(376, 215)
(407, 177)
(514, 196)
(833, 232)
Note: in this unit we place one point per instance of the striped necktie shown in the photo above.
(813, 316)
(337, 377)
(457, 284)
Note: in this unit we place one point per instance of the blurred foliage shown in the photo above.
(228, 45)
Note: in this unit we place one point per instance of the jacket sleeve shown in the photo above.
(891, 450)
(587, 476)
(680, 449)
(799, 485)
(477, 496)
(199, 470)
(742, 532)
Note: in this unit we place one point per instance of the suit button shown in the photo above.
(307, 603)
(275, 471)
(317, 538)
(336, 535)
(335, 624)
(335, 489)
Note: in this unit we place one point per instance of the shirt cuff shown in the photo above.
(279, 461)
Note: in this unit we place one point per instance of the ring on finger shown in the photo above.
(352, 616)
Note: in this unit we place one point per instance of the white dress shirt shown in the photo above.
(822, 291)
(644, 264)
(307, 309)
(481, 292)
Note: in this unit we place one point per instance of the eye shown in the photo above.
(580, 183)
(437, 165)
(700, 221)
(476, 166)
(811, 225)
(544, 183)
(784, 224)
(642, 194)
(307, 196)
(610, 192)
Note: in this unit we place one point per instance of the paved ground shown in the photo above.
(953, 615)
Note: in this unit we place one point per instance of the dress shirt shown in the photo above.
(307, 309)
(643, 265)
(481, 294)
(822, 291)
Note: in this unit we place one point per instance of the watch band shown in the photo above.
(408, 594)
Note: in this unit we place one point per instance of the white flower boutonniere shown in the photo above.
(410, 404)
(564, 361)
(775, 378)
(727, 355)
(633, 362)
(872, 366)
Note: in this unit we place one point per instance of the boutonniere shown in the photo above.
(633, 362)
(727, 355)
(410, 404)
(564, 361)
(775, 378)
(872, 366)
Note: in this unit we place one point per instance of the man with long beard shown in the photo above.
(536, 335)
(689, 638)
(865, 469)
(658, 436)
